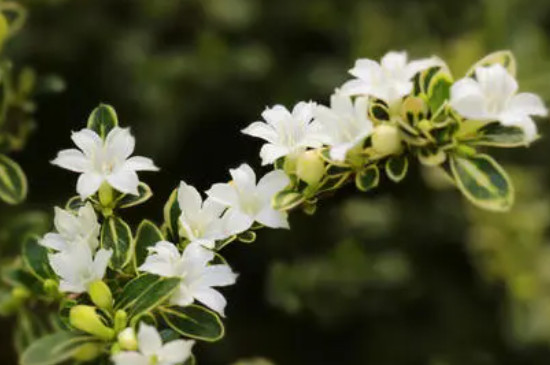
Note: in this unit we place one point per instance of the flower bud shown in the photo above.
(106, 195)
(88, 352)
(121, 319)
(85, 318)
(127, 340)
(386, 139)
(51, 287)
(20, 294)
(101, 295)
(310, 167)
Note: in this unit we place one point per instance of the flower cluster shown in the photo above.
(112, 281)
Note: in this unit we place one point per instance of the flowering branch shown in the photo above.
(130, 295)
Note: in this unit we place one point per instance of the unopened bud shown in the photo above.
(20, 294)
(386, 140)
(85, 318)
(101, 295)
(310, 167)
(121, 319)
(51, 287)
(127, 340)
(88, 352)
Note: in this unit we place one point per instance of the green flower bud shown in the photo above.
(310, 167)
(386, 140)
(88, 352)
(106, 198)
(51, 287)
(20, 294)
(101, 295)
(127, 340)
(85, 318)
(121, 319)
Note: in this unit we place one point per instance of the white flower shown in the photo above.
(73, 229)
(248, 202)
(345, 123)
(98, 161)
(78, 268)
(286, 133)
(203, 222)
(197, 277)
(389, 80)
(492, 96)
(153, 352)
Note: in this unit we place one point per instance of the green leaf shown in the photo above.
(147, 235)
(29, 327)
(505, 58)
(368, 178)
(439, 91)
(396, 167)
(145, 293)
(129, 200)
(194, 321)
(431, 156)
(247, 236)
(286, 200)
(13, 182)
(117, 236)
(483, 181)
(74, 204)
(172, 213)
(498, 135)
(54, 349)
(102, 120)
(35, 258)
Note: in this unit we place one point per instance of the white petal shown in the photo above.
(272, 218)
(197, 255)
(224, 194)
(244, 177)
(235, 221)
(88, 184)
(72, 160)
(420, 65)
(120, 143)
(269, 153)
(125, 181)
(272, 183)
(356, 87)
(365, 69)
(261, 130)
(303, 111)
(176, 352)
(338, 152)
(189, 200)
(149, 340)
(130, 358)
(139, 163)
(88, 141)
(182, 296)
(496, 81)
(468, 100)
(528, 104)
(65, 222)
(101, 261)
(162, 260)
(53, 241)
(218, 275)
(213, 299)
(275, 114)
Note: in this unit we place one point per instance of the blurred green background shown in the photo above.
(410, 274)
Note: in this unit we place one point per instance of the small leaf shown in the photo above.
(129, 200)
(333, 182)
(498, 135)
(483, 181)
(286, 200)
(368, 178)
(35, 258)
(74, 204)
(13, 182)
(102, 120)
(396, 167)
(172, 213)
(54, 349)
(145, 293)
(117, 236)
(147, 235)
(505, 58)
(247, 236)
(194, 321)
(439, 91)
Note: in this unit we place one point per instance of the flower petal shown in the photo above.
(269, 153)
(189, 200)
(468, 100)
(244, 177)
(218, 275)
(275, 115)
(88, 184)
(176, 352)
(120, 143)
(88, 141)
(528, 104)
(139, 163)
(125, 181)
(149, 340)
(213, 299)
(101, 261)
(272, 183)
(53, 241)
(272, 218)
(224, 194)
(261, 130)
(72, 160)
(130, 358)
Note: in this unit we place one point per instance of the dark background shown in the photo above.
(410, 274)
